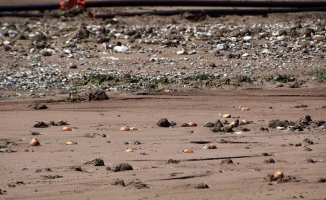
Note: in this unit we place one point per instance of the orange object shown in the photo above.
(192, 124)
(278, 174)
(212, 146)
(226, 115)
(34, 142)
(244, 121)
(129, 150)
(125, 128)
(187, 151)
(66, 128)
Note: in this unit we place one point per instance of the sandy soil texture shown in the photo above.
(275, 124)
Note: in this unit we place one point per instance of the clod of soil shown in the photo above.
(59, 123)
(209, 124)
(227, 161)
(287, 179)
(41, 125)
(38, 106)
(201, 186)
(2, 191)
(184, 125)
(310, 160)
(322, 180)
(98, 95)
(173, 161)
(278, 123)
(35, 133)
(270, 160)
(307, 141)
(301, 106)
(120, 167)
(51, 176)
(138, 185)
(95, 162)
(118, 182)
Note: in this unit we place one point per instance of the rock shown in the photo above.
(121, 49)
(223, 47)
(164, 123)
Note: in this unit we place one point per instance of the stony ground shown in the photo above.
(185, 68)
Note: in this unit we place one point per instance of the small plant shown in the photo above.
(131, 78)
(243, 79)
(320, 74)
(201, 76)
(95, 79)
(281, 78)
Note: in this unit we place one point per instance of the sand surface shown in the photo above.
(161, 170)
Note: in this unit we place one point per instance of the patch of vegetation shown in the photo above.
(320, 74)
(161, 80)
(130, 78)
(197, 77)
(243, 79)
(202, 76)
(95, 79)
(281, 78)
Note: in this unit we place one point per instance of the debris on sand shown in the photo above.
(51, 176)
(59, 123)
(41, 124)
(173, 161)
(95, 162)
(201, 186)
(322, 180)
(138, 184)
(270, 160)
(98, 95)
(120, 167)
(38, 106)
(227, 161)
(118, 182)
(2, 191)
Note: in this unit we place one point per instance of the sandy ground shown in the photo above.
(30, 168)
(55, 170)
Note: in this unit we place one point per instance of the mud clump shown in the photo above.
(284, 179)
(98, 95)
(118, 182)
(95, 162)
(171, 161)
(41, 124)
(59, 123)
(120, 167)
(138, 185)
(270, 160)
(279, 123)
(227, 161)
(201, 186)
(38, 106)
